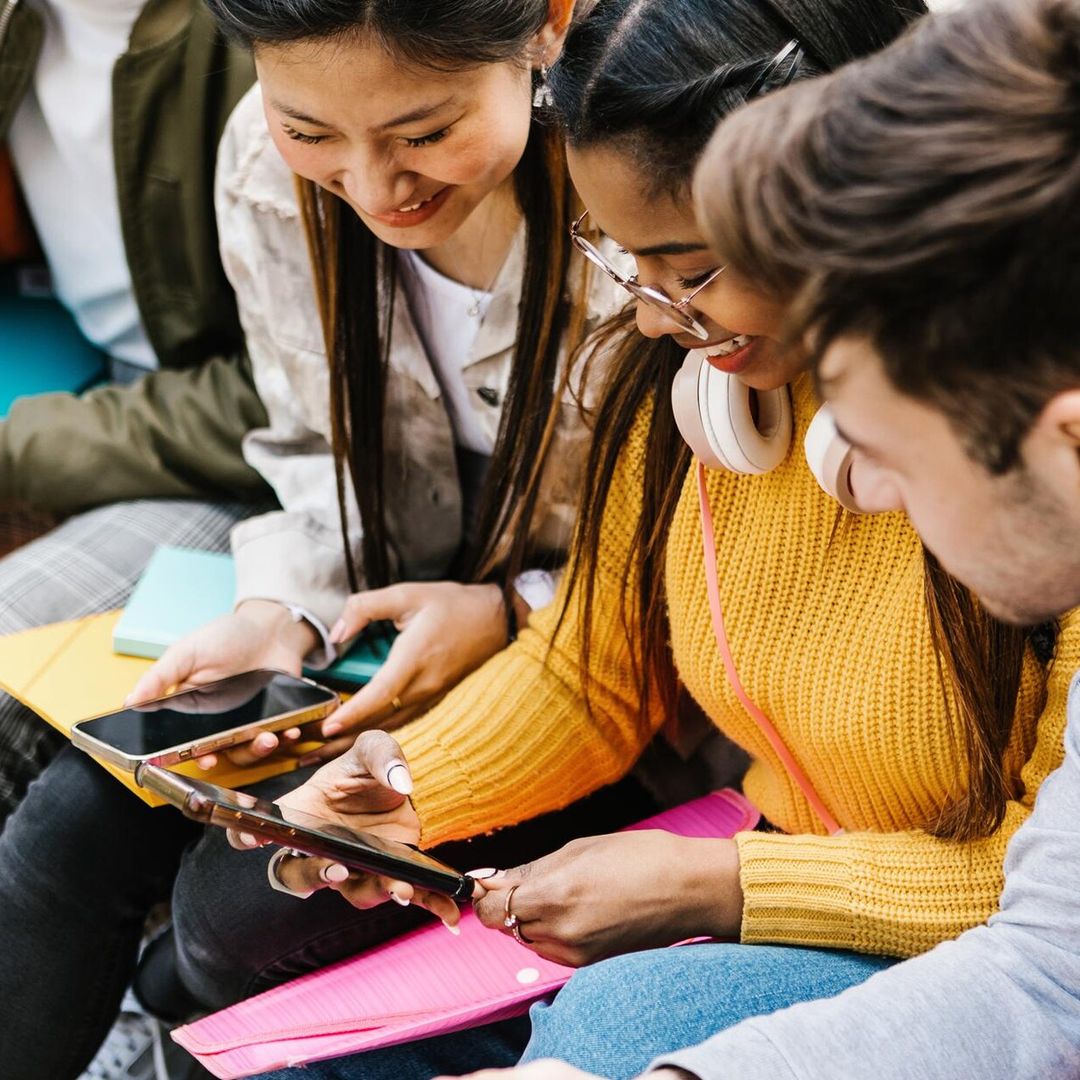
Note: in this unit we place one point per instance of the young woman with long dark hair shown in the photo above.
(413, 319)
(912, 730)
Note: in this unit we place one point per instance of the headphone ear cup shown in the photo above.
(714, 416)
(830, 458)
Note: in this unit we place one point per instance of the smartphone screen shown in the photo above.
(195, 715)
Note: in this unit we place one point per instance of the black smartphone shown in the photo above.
(203, 720)
(215, 805)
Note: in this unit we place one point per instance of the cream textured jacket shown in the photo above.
(295, 555)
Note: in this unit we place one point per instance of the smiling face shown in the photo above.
(412, 150)
(663, 238)
(1012, 538)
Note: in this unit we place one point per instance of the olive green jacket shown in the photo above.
(177, 431)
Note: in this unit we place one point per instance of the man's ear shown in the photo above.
(549, 40)
(1060, 419)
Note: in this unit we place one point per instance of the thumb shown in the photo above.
(171, 670)
(376, 755)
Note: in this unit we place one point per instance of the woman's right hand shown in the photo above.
(366, 789)
(259, 634)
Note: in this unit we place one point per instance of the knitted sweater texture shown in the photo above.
(828, 628)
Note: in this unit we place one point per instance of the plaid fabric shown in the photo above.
(88, 564)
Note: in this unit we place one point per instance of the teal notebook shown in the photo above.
(182, 588)
(41, 348)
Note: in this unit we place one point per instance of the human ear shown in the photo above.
(1061, 417)
(548, 42)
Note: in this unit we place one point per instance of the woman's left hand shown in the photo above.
(604, 895)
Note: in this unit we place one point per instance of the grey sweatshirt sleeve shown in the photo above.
(1001, 1002)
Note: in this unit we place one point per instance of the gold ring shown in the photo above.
(395, 703)
(511, 921)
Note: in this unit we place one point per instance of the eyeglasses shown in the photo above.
(680, 312)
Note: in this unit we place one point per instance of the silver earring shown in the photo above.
(543, 97)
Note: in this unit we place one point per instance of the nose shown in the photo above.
(375, 186)
(653, 323)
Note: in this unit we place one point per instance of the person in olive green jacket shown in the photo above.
(112, 113)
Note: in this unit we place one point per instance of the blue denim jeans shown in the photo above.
(614, 1017)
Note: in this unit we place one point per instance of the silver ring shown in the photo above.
(273, 876)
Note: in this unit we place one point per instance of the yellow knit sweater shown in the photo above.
(831, 639)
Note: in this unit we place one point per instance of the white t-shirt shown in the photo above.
(448, 315)
(61, 143)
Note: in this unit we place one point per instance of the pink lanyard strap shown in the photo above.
(773, 736)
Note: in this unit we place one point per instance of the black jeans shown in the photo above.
(83, 860)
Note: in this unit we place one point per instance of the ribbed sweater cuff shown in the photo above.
(796, 894)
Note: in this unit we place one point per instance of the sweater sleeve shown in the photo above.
(999, 1003)
(516, 739)
(896, 893)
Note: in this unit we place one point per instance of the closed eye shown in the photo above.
(428, 140)
(300, 136)
(692, 283)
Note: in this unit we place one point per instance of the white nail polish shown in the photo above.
(482, 874)
(400, 900)
(455, 930)
(398, 778)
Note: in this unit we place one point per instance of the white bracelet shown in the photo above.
(272, 873)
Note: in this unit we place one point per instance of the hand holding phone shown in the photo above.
(379, 860)
(191, 723)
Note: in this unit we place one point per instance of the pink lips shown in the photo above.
(735, 362)
(399, 219)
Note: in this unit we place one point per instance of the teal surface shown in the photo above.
(181, 589)
(41, 348)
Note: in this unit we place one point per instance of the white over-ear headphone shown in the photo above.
(713, 414)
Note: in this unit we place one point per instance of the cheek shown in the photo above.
(305, 159)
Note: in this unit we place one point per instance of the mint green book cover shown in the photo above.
(183, 588)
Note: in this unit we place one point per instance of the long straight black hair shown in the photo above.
(652, 78)
(355, 278)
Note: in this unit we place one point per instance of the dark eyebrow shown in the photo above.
(406, 118)
(668, 249)
(415, 115)
(295, 114)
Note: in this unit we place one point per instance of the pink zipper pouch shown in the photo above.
(424, 983)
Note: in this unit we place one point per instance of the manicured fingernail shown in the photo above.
(337, 635)
(335, 872)
(292, 734)
(266, 741)
(207, 763)
(455, 930)
(400, 900)
(397, 776)
(248, 840)
(482, 874)
(332, 727)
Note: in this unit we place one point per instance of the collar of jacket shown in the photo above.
(22, 31)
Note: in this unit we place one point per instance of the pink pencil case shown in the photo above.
(424, 983)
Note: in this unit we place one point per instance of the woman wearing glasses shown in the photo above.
(897, 736)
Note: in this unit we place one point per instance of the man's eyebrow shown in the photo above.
(673, 248)
(415, 115)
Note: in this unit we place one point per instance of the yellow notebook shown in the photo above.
(68, 671)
